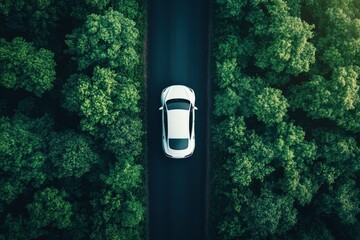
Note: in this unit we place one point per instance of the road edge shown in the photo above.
(145, 54)
(208, 110)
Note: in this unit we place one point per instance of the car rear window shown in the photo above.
(178, 104)
(178, 143)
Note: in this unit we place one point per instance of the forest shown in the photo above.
(285, 119)
(72, 135)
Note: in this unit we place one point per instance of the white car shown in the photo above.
(178, 121)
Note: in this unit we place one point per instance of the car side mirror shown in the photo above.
(195, 108)
(161, 108)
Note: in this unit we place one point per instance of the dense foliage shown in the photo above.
(286, 119)
(22, 66)
(71, 128)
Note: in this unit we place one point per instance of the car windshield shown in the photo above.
(178, 143)
(178, 104)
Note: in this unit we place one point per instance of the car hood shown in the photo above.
(178, 92)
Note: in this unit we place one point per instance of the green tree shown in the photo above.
(236, 92)
(23, 66)
(107, 40)
(119, 210)
(49, 209)
(16, 227)
(283, 39)
(275, 173)
(336, 99)
(296, 156)
(247, 96)
(80, 9)
(99, 4)
(229, 131)
(36, 19)
(231, 8)
(232, 47)
(249, 156)
(338, 155)
(227, 102)
(270, 106)
(52, 185)
(308, 229)
(270, 214)
(338, 33)
(22, 154)
(227, 72)
(343, 200)
(102, 99)
(124, 136)
(70, 154)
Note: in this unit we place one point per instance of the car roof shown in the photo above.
(178, 123)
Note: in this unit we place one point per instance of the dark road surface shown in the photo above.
(177, 54)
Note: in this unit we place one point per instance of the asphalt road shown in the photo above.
(177, 54)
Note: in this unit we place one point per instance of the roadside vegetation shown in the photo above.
(71, 119)
(286, 119)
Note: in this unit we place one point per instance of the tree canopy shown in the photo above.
(285, 122)
(23, 66)
(71, 129)
(105, 40)
(71, 154)
(22, 145)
